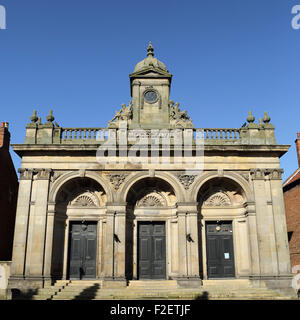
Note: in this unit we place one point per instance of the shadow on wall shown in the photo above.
(203, 296)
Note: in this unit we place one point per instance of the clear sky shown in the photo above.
(226, 57)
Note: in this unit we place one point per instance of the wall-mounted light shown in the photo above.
(189, 238)
(116, 238)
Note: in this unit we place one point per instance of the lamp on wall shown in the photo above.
(116, 238)
(189, 238)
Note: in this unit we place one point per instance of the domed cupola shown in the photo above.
(150, 89)
(150, 61)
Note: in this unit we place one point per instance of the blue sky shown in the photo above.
(226, 57)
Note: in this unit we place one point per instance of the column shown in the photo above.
(114, 255)
(21, 224)
(252, 230)
(119, 244)
(109, 245)
(188, 245)
(279, 216)
(37, 225)
(48, 242)
(265, 225)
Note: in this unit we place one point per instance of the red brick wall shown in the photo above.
(8, 196)
(292, 209)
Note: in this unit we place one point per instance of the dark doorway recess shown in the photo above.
(219, 246)
(82, 250)
(151, 250)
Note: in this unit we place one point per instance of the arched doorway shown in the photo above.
(79, 211)
(222, 229)
(151, 204)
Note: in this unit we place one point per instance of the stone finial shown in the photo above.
(150, 50)
(266, 118)
(50, 117)
(250, 118)
(34, 117)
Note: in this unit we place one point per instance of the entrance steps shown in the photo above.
(156, 290)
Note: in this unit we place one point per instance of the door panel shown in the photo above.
(152, 250)
(220, 254)
(83, 249)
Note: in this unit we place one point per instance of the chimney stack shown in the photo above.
(4, 135)
(298, 148)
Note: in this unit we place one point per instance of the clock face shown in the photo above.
(151, 96)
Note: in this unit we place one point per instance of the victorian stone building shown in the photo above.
(129, 202)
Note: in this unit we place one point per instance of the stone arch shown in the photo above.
(148, 198)
(81, 192)
(176, 186)
(74, 196)
(236, 178)
(222, 200)
(58, 184)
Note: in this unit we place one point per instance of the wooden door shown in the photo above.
(151, 250)
(219, 247)
(83, 250)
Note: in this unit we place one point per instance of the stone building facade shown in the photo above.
(130, 202)
(291, 193)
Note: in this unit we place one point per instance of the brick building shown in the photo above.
(8, 195)
(291, 189)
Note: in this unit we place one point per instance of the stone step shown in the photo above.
(152, 283)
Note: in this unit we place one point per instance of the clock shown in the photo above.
(151, 96)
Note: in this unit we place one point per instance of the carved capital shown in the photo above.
(257, 174)
(43, 174)
(275, 174)
(26, 174)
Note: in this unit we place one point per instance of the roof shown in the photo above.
(292, 178)
(150, 61)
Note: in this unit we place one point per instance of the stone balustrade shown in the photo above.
(45, 134)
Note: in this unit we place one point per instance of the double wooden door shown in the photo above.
(219, 247)
(83, 250)
(151, 250)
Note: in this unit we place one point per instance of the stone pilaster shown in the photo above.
(188, 250)
(252, 230)
(48, 242)
(37, 225)
(279, 222)
(265, 226)
(114, 255)
(21, 225)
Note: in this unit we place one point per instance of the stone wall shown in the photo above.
(4, 275)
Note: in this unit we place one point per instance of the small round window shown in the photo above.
(151, 96)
